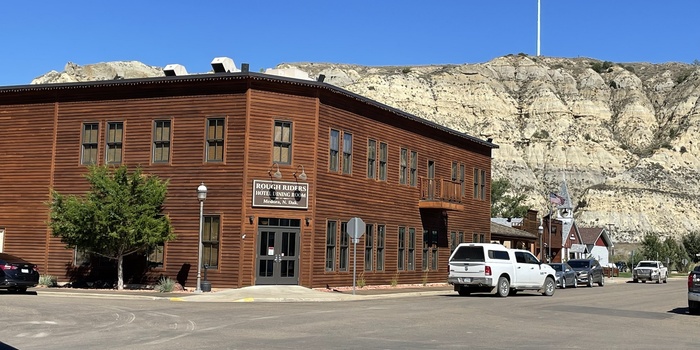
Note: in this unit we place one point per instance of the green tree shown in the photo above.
(675, 253)
(505, 205)
(121, 214)
(691, 244)
(652, 248)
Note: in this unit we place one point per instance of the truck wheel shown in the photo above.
(503, 287)
(666, 279)
(549, 286)
(658, 280)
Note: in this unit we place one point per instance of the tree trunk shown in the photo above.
(120, 272)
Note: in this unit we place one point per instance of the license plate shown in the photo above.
(25, 270)
(466, 279)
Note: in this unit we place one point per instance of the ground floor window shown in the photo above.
(331, 231)
(411, 249)
(344, 244)
(210, 241)
(369, 246)
(381, 235)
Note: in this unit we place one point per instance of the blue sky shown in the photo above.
(43, 35)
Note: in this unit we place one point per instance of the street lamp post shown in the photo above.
(540, 230)
(202, 196)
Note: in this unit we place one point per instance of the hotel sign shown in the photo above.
(279, 194)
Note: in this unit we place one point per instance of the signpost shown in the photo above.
(355, 229)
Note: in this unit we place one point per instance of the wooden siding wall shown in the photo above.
(341, 197)
(186, 170)
(25, 154)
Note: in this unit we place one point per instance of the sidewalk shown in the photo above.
(254, 294)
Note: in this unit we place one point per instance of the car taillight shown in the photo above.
(8, 267)
(690, 280)
(487, 270)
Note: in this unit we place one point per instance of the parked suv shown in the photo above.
(588, 271)
(483, 267)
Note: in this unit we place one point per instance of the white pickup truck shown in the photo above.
(650, 270)
(481, 267)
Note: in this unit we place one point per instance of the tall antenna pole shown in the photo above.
(538, 27)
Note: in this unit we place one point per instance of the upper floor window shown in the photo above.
(161, 141)
(414, 168)
(334, 149)
(90, 142)
(115, 137)
(479, 183)
(282, 147)
(215, 139)
(455, 168)
(371, 159)
(347, 153)
(461, 179)
(403, 169)
(383, 155)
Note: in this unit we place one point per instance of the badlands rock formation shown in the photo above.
(622, 135)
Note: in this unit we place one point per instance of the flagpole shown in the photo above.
(549, 245)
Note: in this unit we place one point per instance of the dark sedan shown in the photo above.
(16, 274)
(588, 271)
(566, 276)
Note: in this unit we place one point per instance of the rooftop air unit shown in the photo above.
(223, 65)
(172, 70)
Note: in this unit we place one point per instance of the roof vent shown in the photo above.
(223, 65)
(172, 70)
(291, 72)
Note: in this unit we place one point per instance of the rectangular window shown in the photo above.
(483, 184)
(115, 137)
(161, 141)
(476, 183)
(411, 249)
(344, 256)
(381, 234)
(414, 168)
(434, 259)
(155, 256)
(403, 168)
(426, 246)
(282, 144)
(461, 237)
(402, 249)
(369, 247)
(331, 234)
(90, 142)
(475, 238)
(334, 148)
(383, 155)
(371, 159)
(210, 240)
(461, 179)
(455, 166)
(347, 153)
(215, 140)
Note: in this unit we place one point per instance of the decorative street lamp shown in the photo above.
(202, 196)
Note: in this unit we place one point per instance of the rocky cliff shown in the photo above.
(621, 135)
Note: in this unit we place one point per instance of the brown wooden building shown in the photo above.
(287, 163)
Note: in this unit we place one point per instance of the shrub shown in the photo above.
(395, 280)
(683, 76)
(48, 281)
(425, 279)
(165, 285)
(542, 134)
(587, 136)
(406, 70)
(683, 149)
(602, 67)
(361, 282)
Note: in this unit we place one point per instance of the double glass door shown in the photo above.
(277, 260)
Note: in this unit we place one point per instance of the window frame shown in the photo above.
(218, 144)
(156, 256)
(381, 241)
(90, 148)
(333, 148)
(383, 161)
(401, 249)
(280, 146)
(347, 153)
(413, 181)
(210, 243)
(369, 246)
(344, 245)
(159, 143)
(331, 237)
(371, 159)
(411, 249)
(114, 143)
(403, 166)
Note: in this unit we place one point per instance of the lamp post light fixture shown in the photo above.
(540, 230)
(202, 196)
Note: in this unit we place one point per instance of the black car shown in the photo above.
(16, 274)
(588, 271)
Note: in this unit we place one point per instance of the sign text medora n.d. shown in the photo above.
(280, 194)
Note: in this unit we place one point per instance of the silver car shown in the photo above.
(566, 276)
